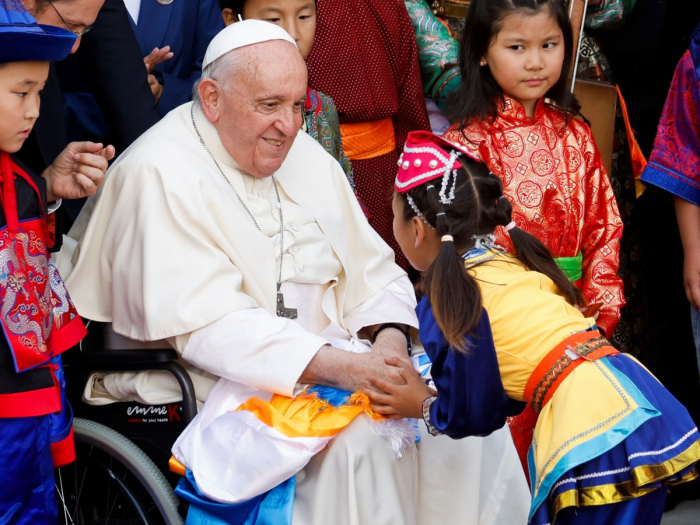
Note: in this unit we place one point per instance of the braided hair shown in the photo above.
(477, 208)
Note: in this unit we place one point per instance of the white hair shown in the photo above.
(223, 69)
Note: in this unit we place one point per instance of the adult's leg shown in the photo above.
(357, 480)
(471, 481)
(645, 510)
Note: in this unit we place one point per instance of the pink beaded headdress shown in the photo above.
(425, 157)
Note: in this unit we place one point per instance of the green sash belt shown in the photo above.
(571, 266)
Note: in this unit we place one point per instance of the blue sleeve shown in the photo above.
(471, 400)
(177, 88)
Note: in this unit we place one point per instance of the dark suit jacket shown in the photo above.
(109, 65)
(187, 26)
(110, 61)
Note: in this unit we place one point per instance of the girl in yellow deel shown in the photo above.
(609, 438)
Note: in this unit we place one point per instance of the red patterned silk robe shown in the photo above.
(554, 178)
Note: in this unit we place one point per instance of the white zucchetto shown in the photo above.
(241, 34)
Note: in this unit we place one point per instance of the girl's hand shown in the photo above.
(398, 401)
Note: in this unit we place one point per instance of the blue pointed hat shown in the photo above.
(22, 38)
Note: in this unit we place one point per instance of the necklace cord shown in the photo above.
(277, 193)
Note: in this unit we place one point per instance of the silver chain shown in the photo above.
(274, 183)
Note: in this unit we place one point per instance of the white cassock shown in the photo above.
(169, 253)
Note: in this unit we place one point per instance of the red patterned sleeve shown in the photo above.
(675, 160)
(600, 236)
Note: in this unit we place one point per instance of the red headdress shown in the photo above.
(427, 157)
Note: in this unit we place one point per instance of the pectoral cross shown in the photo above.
(283, 311)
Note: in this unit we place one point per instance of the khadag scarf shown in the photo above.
(284, 434)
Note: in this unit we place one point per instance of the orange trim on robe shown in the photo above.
(554, 178)
(367, 140)
(307, 415)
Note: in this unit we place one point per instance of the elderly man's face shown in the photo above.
(261, 111)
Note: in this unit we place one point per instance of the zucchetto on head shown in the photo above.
(241, 34)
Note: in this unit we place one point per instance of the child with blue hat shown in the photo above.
(37, 317)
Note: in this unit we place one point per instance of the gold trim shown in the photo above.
(690, 476)
(600, 495)
(645, 474)
(634, 488)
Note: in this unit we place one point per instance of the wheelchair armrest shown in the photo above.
(156, 359)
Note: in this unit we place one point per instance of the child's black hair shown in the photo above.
(478, 207)
(479, 94)
(234, 5)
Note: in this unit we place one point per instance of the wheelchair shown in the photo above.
(121, 476)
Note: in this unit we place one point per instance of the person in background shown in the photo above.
(38, 319)
(438, 53)
(107, 53)
(365, 58)
(172, 38)
(674, 166)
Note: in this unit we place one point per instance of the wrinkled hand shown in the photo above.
(78, 171)
(398, 400)
(157, 56)
(156, 88)
(391, 343)
(691, 277)
(370, 367)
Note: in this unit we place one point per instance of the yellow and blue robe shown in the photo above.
(611, 433)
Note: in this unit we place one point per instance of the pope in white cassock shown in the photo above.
(200, 224)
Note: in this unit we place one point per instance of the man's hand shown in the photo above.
(78, 171)
(399, 400)
(156, 56)
(348, 370)
(390, 343)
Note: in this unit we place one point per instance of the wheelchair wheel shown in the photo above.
(112, 482)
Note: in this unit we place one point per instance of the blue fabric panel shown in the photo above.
(27, 495)
(271, 508)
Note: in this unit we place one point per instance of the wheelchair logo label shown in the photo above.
(154, 414)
